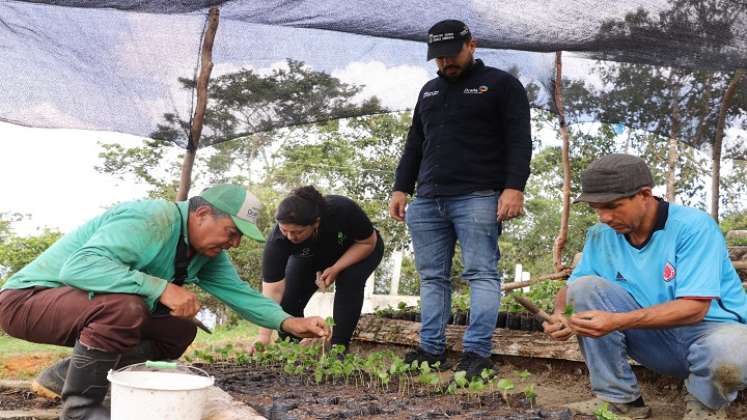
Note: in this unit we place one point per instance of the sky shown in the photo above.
(49, 174)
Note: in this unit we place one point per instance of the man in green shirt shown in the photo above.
(111, 290)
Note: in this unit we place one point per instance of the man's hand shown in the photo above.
(309, 327)
(329, 275)
(182, 302)
(558, 329)
(397, 206)
(262, 339)
(510, 204)
(594, 323)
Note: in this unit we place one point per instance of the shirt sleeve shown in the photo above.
(219, 278)
(356, 225)
(409, 164)
(274, 258)
(113, 257)
(515, 115)
(698, 256)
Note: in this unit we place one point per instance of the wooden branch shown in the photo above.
(560, 240)
(532, 308)
(674, 134)
(705, 108)
(505, 342)
(561, 275)
(717, 142)
(37, 414)
(206, 66)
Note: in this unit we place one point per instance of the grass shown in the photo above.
(10, 346)
(242, 332)
(21, 359)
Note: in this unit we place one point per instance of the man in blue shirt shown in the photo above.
(655, 284)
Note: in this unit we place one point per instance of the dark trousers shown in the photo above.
(108, 322)
(300, 285)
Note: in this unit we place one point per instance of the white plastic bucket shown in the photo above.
(158, 391)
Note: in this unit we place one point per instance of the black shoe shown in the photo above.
(473, 364)
(421, 356)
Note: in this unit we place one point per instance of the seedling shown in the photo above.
(530, 394)
(569, 311)
(604, 413)
(523, 375)
(505, 385)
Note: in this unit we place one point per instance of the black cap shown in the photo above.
(446, 38)
(613, 177)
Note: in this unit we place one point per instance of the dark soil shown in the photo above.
(23, 399)
(279, 396)
(557, 382)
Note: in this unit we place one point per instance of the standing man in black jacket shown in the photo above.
(468, 150)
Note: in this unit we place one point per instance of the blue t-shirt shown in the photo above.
(687, 258)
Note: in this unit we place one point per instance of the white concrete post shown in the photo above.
(396, 261)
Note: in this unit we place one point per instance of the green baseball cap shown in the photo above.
(240, 204)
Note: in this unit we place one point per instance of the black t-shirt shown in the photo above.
(343, 224)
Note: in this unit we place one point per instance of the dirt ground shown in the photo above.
(556, 383)
(279, 396)
(25, 366)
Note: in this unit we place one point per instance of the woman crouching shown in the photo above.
(317, 241)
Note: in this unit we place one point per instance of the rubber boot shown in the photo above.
(48, 384)
(86, 384)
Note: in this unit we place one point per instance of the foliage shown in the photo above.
(542, 294)
(377, 370)
(17, 251)
(604, 413)
(529, 240)
(734, 221)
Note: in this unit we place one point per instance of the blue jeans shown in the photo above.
(709, 356)
(435, 225)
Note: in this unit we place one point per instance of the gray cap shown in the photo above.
(613, 177)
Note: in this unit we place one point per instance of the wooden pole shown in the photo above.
(674, 134)
(560, 240)
(561, 275)
(206, 66)
(717, 142)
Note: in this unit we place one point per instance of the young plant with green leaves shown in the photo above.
(504, 386)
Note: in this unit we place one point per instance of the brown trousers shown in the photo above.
(110, 322)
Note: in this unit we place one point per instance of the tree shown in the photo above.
(702, 102)
(17, 251)
(247, 108)
(529, 240)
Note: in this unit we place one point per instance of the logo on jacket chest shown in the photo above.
(430, 93)
(475, 91)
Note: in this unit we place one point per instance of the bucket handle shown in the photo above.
(160, 364)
